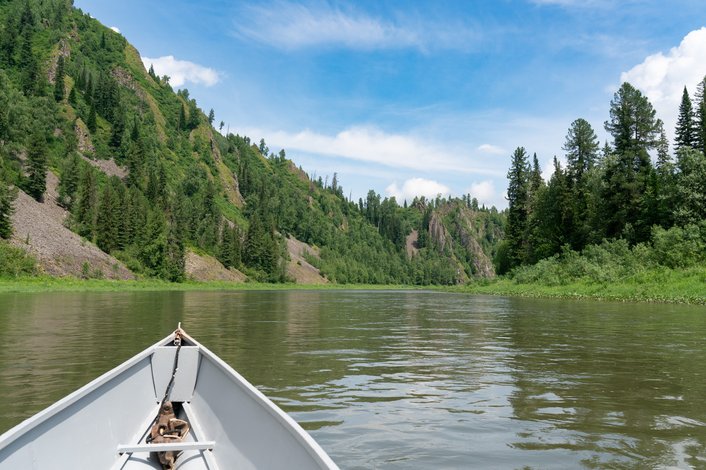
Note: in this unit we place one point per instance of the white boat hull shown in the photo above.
(105, 423)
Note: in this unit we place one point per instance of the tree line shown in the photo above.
(622, 190)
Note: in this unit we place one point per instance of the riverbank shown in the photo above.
(684, 286)
(687, 286)
(71, 284)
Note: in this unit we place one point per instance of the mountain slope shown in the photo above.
(145, 176)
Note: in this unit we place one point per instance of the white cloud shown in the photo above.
(417, 187)
(115, 28)
(486, 194)
(662, 77)
(289, 25)
(491, 149)
(182, 71)
(367, 144)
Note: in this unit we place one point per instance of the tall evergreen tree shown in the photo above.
(37, 164)
(518, 199)
(59, 85)
(632, 123)
(581, 147)
(685, 134)
(700, 116)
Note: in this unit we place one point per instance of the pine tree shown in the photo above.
(59, 91)
(37, 165)
(632, 121)
(581, 148)
(685, 134)
(211, 116)
(518, 199)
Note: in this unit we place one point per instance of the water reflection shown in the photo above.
(403, 379)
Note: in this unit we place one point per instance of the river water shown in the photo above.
(403, 380)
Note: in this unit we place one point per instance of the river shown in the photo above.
(403, 379)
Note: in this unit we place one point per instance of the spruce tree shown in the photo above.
(700, 117)
(37, 165)
(211, 116)
(59, 79)
(685, 134)
(518, 198)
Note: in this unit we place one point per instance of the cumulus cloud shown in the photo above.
(486, 194)
(289, 25)
(416, 187)
(182, 71)
(115, 28)
(368, 144)
(662, 77)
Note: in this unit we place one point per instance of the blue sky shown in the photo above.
(416, 97)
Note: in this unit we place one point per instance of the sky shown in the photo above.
(422, 97)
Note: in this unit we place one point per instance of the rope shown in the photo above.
(177, 343)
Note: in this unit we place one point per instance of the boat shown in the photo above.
(175, 405)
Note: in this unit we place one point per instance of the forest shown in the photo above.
(74, 93)
(611, 212)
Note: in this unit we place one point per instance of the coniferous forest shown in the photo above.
(615, 209)
(75, 99)
(75, 94)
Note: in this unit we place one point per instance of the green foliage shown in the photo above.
(7, 199)
(36, 182)
(15, 262)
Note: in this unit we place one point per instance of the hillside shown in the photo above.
(144, 178)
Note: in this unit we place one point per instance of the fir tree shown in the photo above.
(700, 117)
(37, 165)
(59, 79)
(518, 199)
(211, 116)
(685, 134)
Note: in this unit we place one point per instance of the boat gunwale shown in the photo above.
(35, 420)
(313, 448)
(293, 428)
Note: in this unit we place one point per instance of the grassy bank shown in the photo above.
(656, 285)
(68, 284)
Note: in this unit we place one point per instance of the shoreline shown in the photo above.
(665, 286)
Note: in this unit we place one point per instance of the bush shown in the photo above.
(15, 262)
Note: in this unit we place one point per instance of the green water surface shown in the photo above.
(403, 379)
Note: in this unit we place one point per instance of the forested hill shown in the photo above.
(141, 172)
